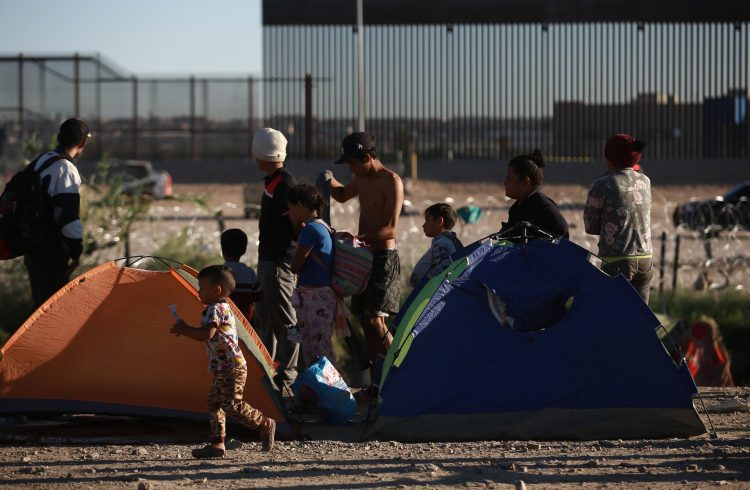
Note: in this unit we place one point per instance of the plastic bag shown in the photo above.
(321, 386)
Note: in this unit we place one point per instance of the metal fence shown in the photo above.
(487, 91)
(442, 91)
(131, 117)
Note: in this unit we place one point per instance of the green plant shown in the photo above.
(33, 146)
(16, 304)
(731, 311)
(730, 308)
(190, 249)
(107, 212)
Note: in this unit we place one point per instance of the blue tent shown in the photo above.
(531, 341)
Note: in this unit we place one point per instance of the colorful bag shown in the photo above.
(352, 263)
(321, 386)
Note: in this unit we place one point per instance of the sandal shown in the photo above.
(268, 434)
(208, 451)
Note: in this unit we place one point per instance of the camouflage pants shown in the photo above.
(226, 399)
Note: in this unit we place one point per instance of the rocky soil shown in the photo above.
(102, 452)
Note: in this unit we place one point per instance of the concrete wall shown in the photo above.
(661, 172)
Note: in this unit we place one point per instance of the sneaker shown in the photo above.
(208, 451)
(268, 434)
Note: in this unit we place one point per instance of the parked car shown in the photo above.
(139, 176)
(720, 213)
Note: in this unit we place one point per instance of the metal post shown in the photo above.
(135, 117)
(662, 261)
(98, 138)
(192, 118)
(21, 135)
(361, 64)
(250, 122)
(676, 264)
(413, 172)
(204, 119)
(77, 85)
(308, 117)
(42, 87)
(707, 246)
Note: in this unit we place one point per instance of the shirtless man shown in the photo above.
(381, 195)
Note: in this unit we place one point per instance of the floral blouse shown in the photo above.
(223, 348)
(618, 209)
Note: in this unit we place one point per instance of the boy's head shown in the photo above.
(73, 136)
(215, 282)
(233, 244)
(438, 218)
(304, 199)
(358, 150)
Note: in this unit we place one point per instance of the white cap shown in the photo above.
(269, 145)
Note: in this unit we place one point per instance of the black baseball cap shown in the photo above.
(356, 145)
(73, 132)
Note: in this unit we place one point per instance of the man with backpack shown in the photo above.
(51, 263)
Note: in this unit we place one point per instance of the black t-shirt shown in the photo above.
(275, 229)
(539, 210)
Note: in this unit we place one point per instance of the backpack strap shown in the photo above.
(314, 254)
(47, 163)
(330, 229)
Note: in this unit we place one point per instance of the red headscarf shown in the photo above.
(623, 150)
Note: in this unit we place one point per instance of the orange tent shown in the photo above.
(102, 345)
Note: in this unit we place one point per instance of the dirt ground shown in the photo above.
(85, 452)
(124, 452)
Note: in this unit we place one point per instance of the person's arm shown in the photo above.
(592, 211)
(554, 220)
(196, 333)
(392, 206)
(299, 258)
(341, 192)
(65, 200)
(308, 239)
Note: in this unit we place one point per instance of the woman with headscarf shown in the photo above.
(618, 209)
(523, 180)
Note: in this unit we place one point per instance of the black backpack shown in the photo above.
(25, 219)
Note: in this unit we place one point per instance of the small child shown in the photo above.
(439, 220)
(313, 298)
(218, 329)
(247, 290)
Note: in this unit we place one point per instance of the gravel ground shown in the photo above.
(122, 452)
(137, 453)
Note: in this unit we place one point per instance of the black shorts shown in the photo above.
(383, 294)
